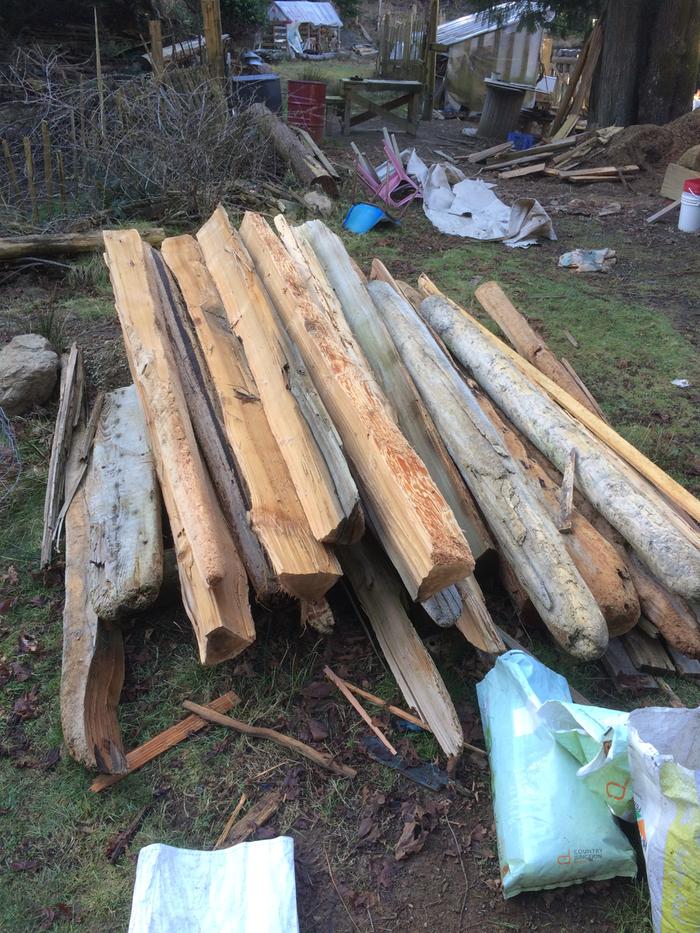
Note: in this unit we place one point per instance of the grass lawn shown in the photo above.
(54, 832)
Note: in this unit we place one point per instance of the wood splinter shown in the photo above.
(566, 497)
(340, 684)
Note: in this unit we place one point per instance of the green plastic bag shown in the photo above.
(552, 830)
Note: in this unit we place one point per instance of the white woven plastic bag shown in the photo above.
(552, 830)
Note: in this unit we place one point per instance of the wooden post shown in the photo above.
(430, 57)
(29, 168)
(61, 178)
(211, 14)
(48, 170)
(100, 78)
(11, 172)
(156, 52)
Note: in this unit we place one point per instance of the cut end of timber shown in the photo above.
(350, 530)
(310, 587)
(443, 575)
(222, 645)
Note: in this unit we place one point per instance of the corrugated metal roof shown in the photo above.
(476, 24)
(303, 11)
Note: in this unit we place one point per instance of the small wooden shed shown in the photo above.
(304, 26)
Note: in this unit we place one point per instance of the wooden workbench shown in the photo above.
(357, 92)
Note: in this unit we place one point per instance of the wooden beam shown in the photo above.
(331, 504)
(211, 16)
(599, 429)
(156, 49)
(125, 569)
(526, 534)
(212, 576)
(304, 567)
(61, 244)
(525, 170)
(647, 654)
(413, 520)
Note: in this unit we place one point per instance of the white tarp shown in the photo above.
(247, 888)
(467, 207)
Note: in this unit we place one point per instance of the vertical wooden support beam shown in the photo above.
(430, 58)
(48, 168)
(29, 169)
(100, 77)
(156, 51)
(211, 14)
(60, 172)
(11, 171)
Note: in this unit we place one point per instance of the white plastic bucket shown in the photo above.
(689, 218)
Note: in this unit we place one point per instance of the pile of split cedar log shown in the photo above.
(303, 423)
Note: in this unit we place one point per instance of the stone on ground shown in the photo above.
(28, 373)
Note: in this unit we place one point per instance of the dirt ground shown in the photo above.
(348, 878)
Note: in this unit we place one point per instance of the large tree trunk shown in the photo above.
(614, 95)
(668, 84)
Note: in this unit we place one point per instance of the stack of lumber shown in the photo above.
(303, 423)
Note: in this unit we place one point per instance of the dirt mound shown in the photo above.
(653, 147)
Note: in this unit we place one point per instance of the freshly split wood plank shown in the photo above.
(416, 526)
(394, 380)
(230, 821)
(657, 215)
(475, 622)
(524, 339)
(592, 403)
(304, 567)
(92, 669)
(164, 741)
(602, 567)
(535, 169)
(380, 594)
(485, 154)
(331, 505)
(207, 422)
(511, 506)
(647, 654)
(662, 538)
(259, 814)
(125, 570)
(212, 576)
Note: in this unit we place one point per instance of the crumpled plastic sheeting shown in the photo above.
(247, 888)
(467, 207)
(589, 260)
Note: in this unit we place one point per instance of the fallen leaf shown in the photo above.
(318, 731)
(26, 865)
(27, 644)
(11, 576)
(384, 877)
(26, 707)
(52, 758)
(50, 915)
(117, 845)
(6, 605)
(19, 671)
(419, 821)
(320, 690)
(38, 601)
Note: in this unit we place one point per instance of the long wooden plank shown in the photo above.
(212, 576)
(164, 741)
(647, 654)
(125, 570)
(331, 505)
(380, 594)
(654, 474)
(416, 526)
(304, 567)
(525, 170)
(92, 669)
(622, 671)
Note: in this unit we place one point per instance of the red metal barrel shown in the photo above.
(306, 107)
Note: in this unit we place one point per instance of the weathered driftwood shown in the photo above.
(92, 671)
(661, 538)
(125, 569)
(304, 567)
(599, 563)
(527, 536)
(660, 483)
(413, 520)
(331, 503)
(445, 607)
(207, 422)
(380, 594)
(396, 383)
(302, 160)
(61, 244)
(212, 577)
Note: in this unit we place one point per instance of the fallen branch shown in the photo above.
(229, 823)
(62, 244)
(340, 684)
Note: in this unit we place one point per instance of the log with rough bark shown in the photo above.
(396, 383)
(601, 566)
(516, 517)
(212, 576)
(206, 419)
(530, 345)
(92, 671)
(663, 540)
(329, 499)
(302, 160)
(381, 595)
(61, 244)
(125, 569)
(304, 567)
(414, 522)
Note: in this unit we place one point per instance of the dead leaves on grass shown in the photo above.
(420, 819)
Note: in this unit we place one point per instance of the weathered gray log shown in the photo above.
(662, 540)
(62, 244)
(518, 521)
(125, 569)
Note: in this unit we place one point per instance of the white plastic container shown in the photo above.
(689, 217)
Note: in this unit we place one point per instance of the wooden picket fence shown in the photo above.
(403, 47)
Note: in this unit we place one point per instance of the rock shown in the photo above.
(691, 159)
(318, 202)
(28, 372)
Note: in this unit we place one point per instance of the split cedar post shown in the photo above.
(62, 244)
(60, 172)
(164, 741)
(430, 59)
(212, 576)
(48, 168)
(156, 49)
(304, 567)
(92, 671)
(211, 15)
(11, 171)
(29, 170)
(515, 514)
(125, 569)
(332, 506)
(414, 522)
(100, 77)
(666, 542)
(380, 594)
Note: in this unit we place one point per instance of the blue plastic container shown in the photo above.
(521, 140)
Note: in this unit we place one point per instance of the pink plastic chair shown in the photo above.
(396, 189)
